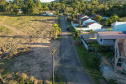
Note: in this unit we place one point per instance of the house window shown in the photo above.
(114, 40)
(119, 64)
(101, 40)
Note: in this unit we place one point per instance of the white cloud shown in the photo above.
(46, 0)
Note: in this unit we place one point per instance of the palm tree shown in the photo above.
(55, 30)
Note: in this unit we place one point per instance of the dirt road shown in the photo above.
(70, 65)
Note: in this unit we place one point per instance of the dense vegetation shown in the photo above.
(104, 7)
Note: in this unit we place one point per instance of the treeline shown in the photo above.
(26, 6)
(103, 7)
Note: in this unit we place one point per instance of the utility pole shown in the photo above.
(52, 53)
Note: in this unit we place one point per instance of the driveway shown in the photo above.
(70, 64)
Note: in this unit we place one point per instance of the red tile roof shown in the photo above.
(84, 19)
(89, 23)
(80, 16)
(75, 21)
(94, 15)
(112, 35)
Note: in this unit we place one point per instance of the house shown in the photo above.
(79, 17)
(75, 23)
(48, 13)
(19, 11)
(94, 15)
(108, 38)
(86, 20)
(119, 26)
(93, 25)
(89, 26)
(84, 17)
(120, 55)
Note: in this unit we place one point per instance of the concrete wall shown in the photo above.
(86, 46)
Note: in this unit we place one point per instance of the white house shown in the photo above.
(108, 38)
(93, 25)
(90, 26)
(119, 26)
(87, 20)
(79, 17)
(84, 17)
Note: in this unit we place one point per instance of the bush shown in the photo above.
(95, 62)
(69, 19)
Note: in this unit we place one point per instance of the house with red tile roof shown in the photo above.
(108, 38)
(75, 23)
(93, 26)
(94, 15)
(79, 17)
(86, 20)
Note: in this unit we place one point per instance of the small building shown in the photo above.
(86, 20)
(94, 26)
(20, 11)
(89, 26)
(79, 17)
(48, 13)
(108, 38)
(119, 26)
(120, 55)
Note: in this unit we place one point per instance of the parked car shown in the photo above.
(68, 29)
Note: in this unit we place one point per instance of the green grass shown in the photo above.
(84, 57)
(59, 79)
(2, 28)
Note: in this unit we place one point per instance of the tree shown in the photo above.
(109, 29)
(104, 22)
(18, 2)
(38, 3)
(29, 7)
(114, 18)
(56, 30)
(98, 18)
(2, 5)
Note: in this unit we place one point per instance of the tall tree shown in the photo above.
(2, 5)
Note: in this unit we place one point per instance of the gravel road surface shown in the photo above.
(70, 64)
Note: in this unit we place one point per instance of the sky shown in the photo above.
(46, 0)
(40, 0)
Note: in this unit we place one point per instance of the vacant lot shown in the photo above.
(25, 46)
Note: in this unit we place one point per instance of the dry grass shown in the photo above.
(29, 44)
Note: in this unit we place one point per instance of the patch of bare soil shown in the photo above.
(31, 48)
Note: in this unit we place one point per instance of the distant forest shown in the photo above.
(103, 7)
